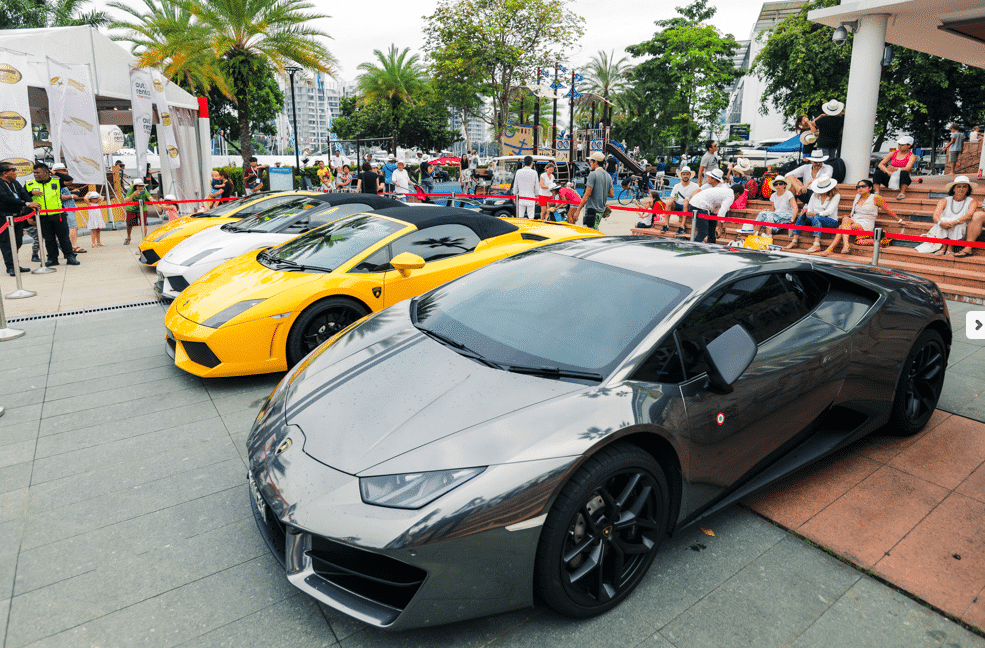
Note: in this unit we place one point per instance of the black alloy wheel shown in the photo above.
(318, 323)
(920, 385)
(603, 532)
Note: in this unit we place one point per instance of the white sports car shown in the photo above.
(206, 250)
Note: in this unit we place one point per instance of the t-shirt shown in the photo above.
(473, 163)
(714, 199)
(682, 192)
(958, 142)
(601, 184)
(568, 194)
(547, 180)
(710, 162)
(829, 131)
(425, 169)
(322, 172)
(369, 180)
(401, 179)
(804, 171)
(337, 162)
(781, 204)
(250, 178)
(525, 183)
(612, 165)
(227, 189)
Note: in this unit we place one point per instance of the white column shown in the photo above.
(863, 95)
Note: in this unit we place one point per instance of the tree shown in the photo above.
(918, 93)
(265, 102)
(46, 13)
(606, 76)
(238, 32)
(686, 78)
(495, 46)
(424, 123)
(394, 82)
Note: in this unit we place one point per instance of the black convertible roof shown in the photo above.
(423, 217)
(376, 202)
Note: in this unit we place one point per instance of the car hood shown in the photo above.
(236, 280)
(400, 393)
(195, 225)
(227, 245)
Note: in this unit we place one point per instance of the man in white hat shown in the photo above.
(598, 187)
(680, 194)
(715, 198)
(401, 181)
(800, 179)
(829, 126)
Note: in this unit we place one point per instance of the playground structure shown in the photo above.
(518, 139)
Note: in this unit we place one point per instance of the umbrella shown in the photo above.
(447, 160)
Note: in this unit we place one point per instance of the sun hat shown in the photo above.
(93, 195)
(816, 157)
(961, 179)
(715, 174)
(833, 107)
(58, 166)
(823, 184)
(906, 139)
(170, 197)
(684, 169)
(807, 137)
(782, 179)
(597, 156)
(743, 164)
(392, 157)
(399, 162)
(139, 181)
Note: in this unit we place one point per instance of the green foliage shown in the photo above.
(395, 82)
(684, 83)
(493, 47)
(252, 78)
(46, 13)
(918, 93)
(424, 123)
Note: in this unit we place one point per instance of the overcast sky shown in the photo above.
(357, 28)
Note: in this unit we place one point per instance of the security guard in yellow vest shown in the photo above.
(47, 192)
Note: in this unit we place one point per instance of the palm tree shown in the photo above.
(607, 76)
(396, 80)
(41, 13)
(167, 37)
(224, 40)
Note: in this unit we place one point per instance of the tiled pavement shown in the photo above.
(124, 521)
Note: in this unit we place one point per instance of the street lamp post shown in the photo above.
(292, 70)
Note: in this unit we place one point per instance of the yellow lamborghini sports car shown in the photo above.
(160, 241)
(263, 312)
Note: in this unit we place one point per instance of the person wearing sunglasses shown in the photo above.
(784, 207)
(865, 209)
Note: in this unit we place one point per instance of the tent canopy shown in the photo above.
(792, 145)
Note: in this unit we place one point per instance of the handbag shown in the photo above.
(758, 242)
(894, 180)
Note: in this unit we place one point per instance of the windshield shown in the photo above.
(549, 310)
(224, 207)
(328, 247)
(275, 218)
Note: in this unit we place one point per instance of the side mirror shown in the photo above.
(728, 356)
(405, 262)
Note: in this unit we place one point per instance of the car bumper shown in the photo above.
(151, 252)
(470, 553)
(254, 347)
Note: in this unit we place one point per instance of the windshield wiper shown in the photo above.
(285, 264)
(555, 372)
(460, 348)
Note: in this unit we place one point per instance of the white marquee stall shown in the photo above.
(109, 68)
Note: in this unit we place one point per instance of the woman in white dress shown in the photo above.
(865, 208)
(952, 215)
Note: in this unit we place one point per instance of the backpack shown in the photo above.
(838, 171)
(767, 190)
(752, 188)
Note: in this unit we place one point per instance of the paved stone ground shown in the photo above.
(124, 521)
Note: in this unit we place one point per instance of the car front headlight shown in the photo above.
(413, 490)
(198, 257)
(227, 314)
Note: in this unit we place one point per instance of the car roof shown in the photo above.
(483, 225)
(376, 202)
(694, 265)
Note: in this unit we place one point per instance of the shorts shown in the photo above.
(952, 156)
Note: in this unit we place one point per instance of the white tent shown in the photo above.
(109, 67)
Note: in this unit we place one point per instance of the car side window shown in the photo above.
(378, 261)
(663, 365)
(764, 305)
(438, 242)
(263, 205)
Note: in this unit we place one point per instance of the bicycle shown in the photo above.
(632, 191)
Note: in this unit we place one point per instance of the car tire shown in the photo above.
(319, 322)
(920, 385)
(602, 532)
(504, 213)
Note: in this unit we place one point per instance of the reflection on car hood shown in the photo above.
(231, 244)
(236, 280)
(401, 393)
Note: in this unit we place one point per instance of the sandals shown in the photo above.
(126, 241)
(792, 245)
(80, 250)
(962, 255)
(901, 196)
(814, 249)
